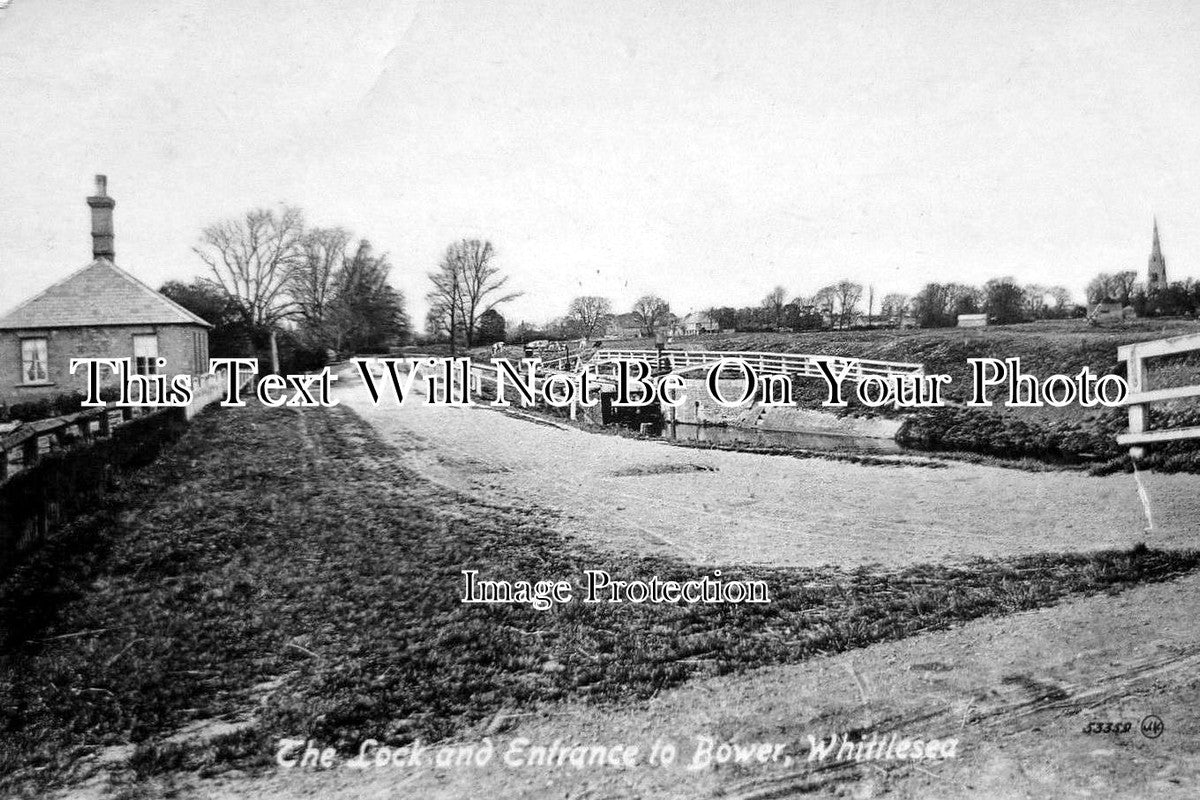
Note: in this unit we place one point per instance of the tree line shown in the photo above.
(1177, 298)
(840, 305)
(275, 285)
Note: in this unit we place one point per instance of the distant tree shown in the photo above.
(491, 327)
(437, 320)
(311, 282)
(1178, 298)
(965, 300)
(651, 312)
(801, 316)
(1122, 285)
(1034, 301)
(229, 335)
(482, 282)
(1119, 286)
(752, 318)
(466, 283)
(724, 316)
(773, 304)
(1004, 300)
(365, 313)
(848, 294)
(1099, 288)
(1061, 298)
(588, 314)
(938, 305)
(252, 258)
(893, 307)
(444, 320)
(825, 301)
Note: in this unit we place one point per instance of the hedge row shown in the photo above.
(1090, 440)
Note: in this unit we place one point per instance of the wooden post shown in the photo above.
(275, 353)
(29, 452)
(1136, 374)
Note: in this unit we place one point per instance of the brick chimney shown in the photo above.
(102, 221)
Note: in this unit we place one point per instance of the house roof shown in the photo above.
(99, 294)
(698, 318)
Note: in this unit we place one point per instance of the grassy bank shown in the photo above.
(270, 548)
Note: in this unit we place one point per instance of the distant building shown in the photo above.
(1156, 272)
(972, 320)
(1109, 310)
(695, 324)
(98, 311)
(623, 326)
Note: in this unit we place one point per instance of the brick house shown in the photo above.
(98, 311)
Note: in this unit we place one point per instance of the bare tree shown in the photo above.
(1119, 286)
(847, 293)
(1061, 296)
(252, 257)
(774, 302)
(651, 311)
(445, 301)
(466, 284)
(894, 306)
(312, 280)
(1034, 300)
(588, 313)
(1123, 285)
(825, 301)
(1099, 287)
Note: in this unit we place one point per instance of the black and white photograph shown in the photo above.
(599, 400)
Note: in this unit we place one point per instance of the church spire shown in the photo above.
(1157, 268)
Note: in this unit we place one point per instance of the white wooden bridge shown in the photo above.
(800, 364)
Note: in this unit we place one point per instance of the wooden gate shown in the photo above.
(1136, 356)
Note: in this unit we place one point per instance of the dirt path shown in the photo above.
(728, 507)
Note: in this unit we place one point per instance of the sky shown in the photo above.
(703, 151)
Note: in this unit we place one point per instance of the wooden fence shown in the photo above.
(51, 469)
(22, 448)
(1140, 397)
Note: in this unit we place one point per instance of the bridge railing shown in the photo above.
(1136, 358)
(766, 363)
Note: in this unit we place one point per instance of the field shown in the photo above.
(279, 573)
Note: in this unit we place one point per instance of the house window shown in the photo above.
(145, 354)
(34, 361)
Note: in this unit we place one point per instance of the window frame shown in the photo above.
(150, 365)
(44, 380)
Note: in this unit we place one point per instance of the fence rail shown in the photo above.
(1139, 398)
(53, 469)
(21, 449)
